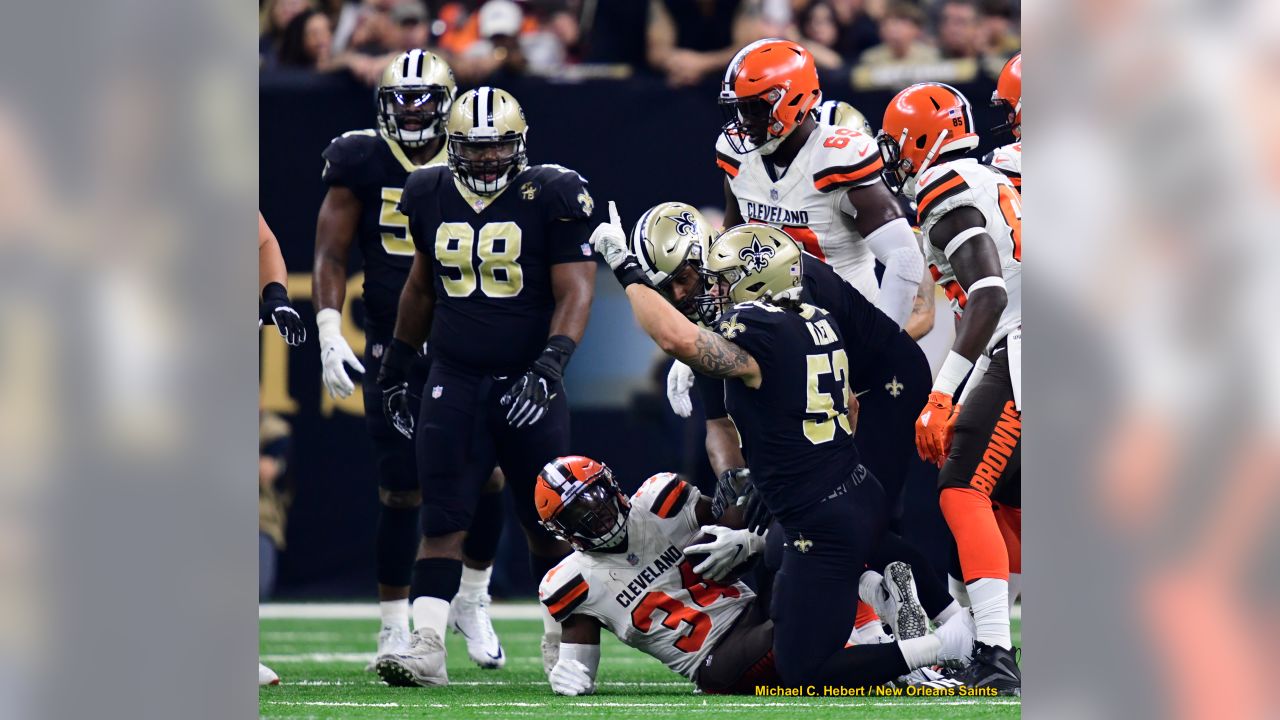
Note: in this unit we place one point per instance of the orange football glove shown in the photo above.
(935, 427)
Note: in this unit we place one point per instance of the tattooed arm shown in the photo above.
(700, 349)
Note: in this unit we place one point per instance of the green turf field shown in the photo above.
(320, 663)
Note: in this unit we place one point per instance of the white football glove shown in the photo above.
(679, 381)
(571, 677)
(335, 354)
(730, 549)
(610, 240)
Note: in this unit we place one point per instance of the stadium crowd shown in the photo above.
(687, 41)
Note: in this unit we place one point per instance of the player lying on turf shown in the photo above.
(630, 573)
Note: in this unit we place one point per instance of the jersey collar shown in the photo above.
(398, 153)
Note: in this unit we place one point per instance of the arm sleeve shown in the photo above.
(588, 655)
(894, 244)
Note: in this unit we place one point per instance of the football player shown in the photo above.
(1008, 96)
(273, 305)
(1008, 160)
(365, 171)
(669, 241)
(786, 372)
(632, 573)
(822, 185)
(971, 216)
(502, 282)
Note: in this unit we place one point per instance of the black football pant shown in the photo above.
(815, 593)
(463, 431)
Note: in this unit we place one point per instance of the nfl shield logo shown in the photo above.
(633, 559)
(773, 194)
(586, 250)
(437, 391)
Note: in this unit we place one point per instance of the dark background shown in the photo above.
(638, 142)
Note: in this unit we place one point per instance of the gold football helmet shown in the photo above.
(842, 114)
(669, 240)
(414, 98)
(487, 139)
(749, 262)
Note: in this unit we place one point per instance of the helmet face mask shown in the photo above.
(749, 123)
(580, 502)
(486, 166)
(414, 115)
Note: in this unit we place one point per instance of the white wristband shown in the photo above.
(329, 321)
(954, 369)
(588, 655)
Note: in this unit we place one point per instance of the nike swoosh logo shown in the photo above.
(865, 149)
(864, 392)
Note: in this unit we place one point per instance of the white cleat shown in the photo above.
(902, 610)
(390, 640)
(469, 617)
(957, 635)
(267, 676)
(421, 664)
(550, 652)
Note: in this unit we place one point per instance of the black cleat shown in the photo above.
(994, 667)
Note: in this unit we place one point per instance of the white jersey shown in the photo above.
(648, 595)
(1008, 160)
(967, 182)
(809, 201)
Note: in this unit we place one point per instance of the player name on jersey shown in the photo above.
(774, 214)
(647, 575)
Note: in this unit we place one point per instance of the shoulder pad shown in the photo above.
(346, 154)
(726, 159)
(566, 192)
(844, 158)
(1008, 160)
(664, 495)
(422, 182)
(937, 185)
(563, 589)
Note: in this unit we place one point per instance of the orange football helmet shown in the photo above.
(579, 502)
(1008, 95)
(768, 89)
(921, 123)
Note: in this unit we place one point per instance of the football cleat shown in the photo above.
(469, 617)
(957, 638)
(995, 667)
(421, 664)
(550, 652)
(390, 640)
(267, 676)
(926, 677)
(902, 610)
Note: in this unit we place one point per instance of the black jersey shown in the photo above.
(795, 428)
(492, 258)
(867, 332)
(375, 170)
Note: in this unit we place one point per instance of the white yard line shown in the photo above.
(684, 706)
(494, 683)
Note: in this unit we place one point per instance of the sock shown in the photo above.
(958, 590)
(396, 545)
(990, 598)
(1015, 589)
(869, 588)
(435, 582)
(920, 652)
(474, 582)
(430, 613)
(481, 543)
(395, 613)
(949, 611)
(978, 540)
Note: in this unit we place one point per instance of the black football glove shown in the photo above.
(393, 380)
(275, 307)
(530, 396)
(732, 489)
